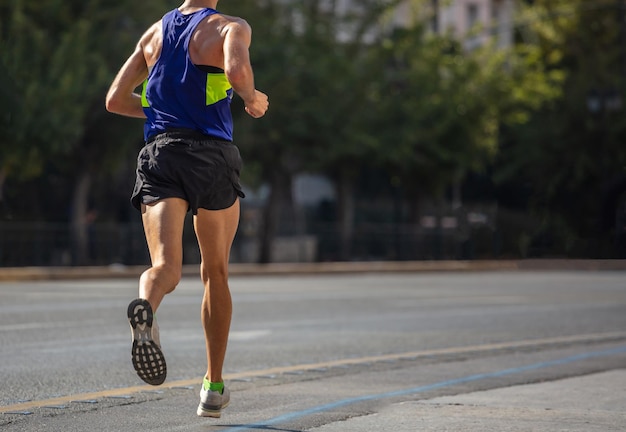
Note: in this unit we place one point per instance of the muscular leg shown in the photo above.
(163, 224)
(216, 230)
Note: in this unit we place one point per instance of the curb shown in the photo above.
(120, 271)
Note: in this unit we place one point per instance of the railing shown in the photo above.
(50, 244)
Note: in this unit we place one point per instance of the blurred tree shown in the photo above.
(571, 153)
(60, 57)
(19, 156)
(268, 147)
(349, 92)
(310, 59)
(309, 75)
(436, 109)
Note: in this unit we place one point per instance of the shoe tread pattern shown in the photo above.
(147, 357)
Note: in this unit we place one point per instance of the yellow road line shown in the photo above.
(62, 400)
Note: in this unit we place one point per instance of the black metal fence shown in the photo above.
(50, 244)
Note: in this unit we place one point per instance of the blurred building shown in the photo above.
(474, 21)
(477, 21)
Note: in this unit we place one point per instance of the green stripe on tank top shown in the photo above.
(217, 86)
(144, 99)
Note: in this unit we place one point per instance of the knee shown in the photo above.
(214, 274)
(165, 276)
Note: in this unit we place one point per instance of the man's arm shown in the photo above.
(121, 97)
(239, 70)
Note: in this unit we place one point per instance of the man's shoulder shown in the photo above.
(153, 32)
(235, 21)
(233, 26)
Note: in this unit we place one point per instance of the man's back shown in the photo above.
(179, 94)
(207, 43)
(220, 41)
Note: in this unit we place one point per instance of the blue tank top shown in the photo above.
(179, 94)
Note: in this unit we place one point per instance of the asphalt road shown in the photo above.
(306, 351)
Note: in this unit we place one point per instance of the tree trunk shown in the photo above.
(3, 177)
(278, 202)
(412, 243)
(79, 219)
(345, 194)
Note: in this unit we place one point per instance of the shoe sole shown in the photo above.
(213, 413)
(146, 355)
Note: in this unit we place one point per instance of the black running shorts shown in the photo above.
(189, 165)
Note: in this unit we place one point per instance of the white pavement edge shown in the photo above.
(590, 403)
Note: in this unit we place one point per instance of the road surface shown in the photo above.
(306, 352)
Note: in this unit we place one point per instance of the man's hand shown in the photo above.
(258, 106)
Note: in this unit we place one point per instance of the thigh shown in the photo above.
(215, 230)
(163, 223)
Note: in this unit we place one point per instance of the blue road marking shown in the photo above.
(285, 418)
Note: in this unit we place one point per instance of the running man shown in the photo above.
(190, 63)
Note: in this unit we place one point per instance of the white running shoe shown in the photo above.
(212, 402)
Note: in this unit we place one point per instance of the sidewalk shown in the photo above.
(240, 269)
(592, 403)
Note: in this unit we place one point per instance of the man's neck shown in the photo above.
(198, 4)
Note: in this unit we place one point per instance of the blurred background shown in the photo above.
(398, 130)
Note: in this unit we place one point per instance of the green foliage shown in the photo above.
(439, 108)
(412, 102)
(59, 57)
(569, 154)
(348, 93)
